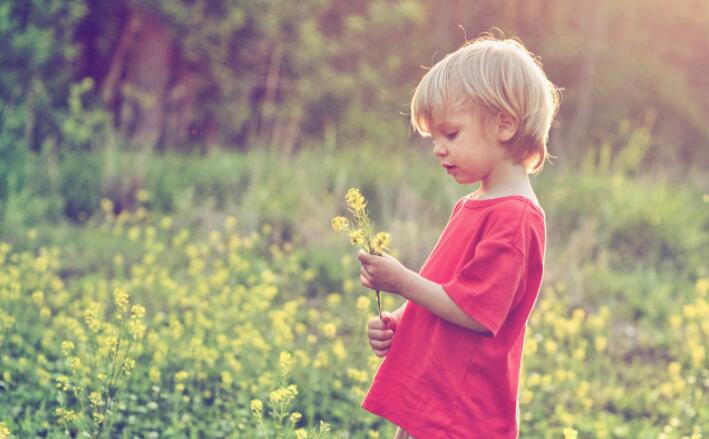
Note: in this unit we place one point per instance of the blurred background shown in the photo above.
(87, 76)
(253, 117)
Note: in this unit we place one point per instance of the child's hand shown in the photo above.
(381, 332)
(383, 273)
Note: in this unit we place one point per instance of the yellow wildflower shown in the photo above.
(107, 205)
(95, 398)
(121, 299)
(143, 195)
(65, 415)
(137, 311)
(329, 329)
(340, 223)
(38, 297)
(166, 223)
(363, 303)
(98, 417)
(154, 374)
(362, 235)
(75, 363)
(570, 433)
(256, 406)
(285, 361)
(136, 328)
(381, 242)
(227, 379)
(67, 348)
(355, 199)
(283, 395)
(357, 237)
(295, 417)
(128, 365)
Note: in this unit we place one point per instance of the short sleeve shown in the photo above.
(486, 286)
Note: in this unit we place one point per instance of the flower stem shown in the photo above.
(379, 304)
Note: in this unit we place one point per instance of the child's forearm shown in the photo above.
(399, 312)
(431, 295)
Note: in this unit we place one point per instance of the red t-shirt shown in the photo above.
(441, 380)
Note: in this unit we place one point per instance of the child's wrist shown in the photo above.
(404, 281)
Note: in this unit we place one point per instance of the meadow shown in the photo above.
(219, 303)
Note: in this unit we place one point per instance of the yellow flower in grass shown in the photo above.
(98, 417)
(363, 303)
(702, 286)
(284, 394)
(67, 348)
(4, 431)
(121, 299)
(285, 361)
(256, 406)
(107, 205)
(143, 195)
(95, 398)
(65, 416)
(137, 311)
(570, 433)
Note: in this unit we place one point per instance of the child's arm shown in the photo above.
(431, 296)
(385, 273)
(399, 312)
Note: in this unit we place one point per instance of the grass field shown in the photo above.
(221, 304)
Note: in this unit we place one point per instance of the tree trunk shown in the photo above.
(148, 75)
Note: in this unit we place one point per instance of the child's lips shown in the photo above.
(448, 167)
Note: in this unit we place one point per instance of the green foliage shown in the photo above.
(36, 51)
(85, 125)
(79, 175)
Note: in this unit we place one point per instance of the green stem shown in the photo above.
(379, 305)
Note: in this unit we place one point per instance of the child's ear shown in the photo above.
(506, 126)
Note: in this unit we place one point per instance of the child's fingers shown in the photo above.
(380, 344)
(380, 353)
(363, 256)
(389, 320)
(375, 323)
(380, 334)
(364, 281)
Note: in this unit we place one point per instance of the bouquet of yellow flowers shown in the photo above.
(363, 234)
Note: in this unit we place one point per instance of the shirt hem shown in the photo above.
(396, 419)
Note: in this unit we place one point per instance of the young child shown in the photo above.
(453, 351)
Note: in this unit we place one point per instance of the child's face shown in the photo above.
(466, 146)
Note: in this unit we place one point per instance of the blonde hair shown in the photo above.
(492, 75)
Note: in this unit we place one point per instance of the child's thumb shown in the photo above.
(389, 320)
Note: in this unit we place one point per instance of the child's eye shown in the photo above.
(451, 136)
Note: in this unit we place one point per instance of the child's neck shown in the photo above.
(506, 179)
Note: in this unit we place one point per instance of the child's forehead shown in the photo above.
(441, 121)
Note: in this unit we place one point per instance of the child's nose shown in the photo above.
(439, 150)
